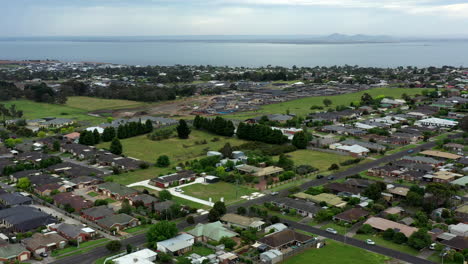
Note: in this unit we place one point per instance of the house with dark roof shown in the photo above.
(42, 243)
(162, 206)
(458, 243)
(342, 188)
(117, 221)
(12, 253)
(73, 170)
(97, 213)
(14, 199)
(285, 239)
(76, 202)
(145, 199)
(79, 151)
(352, 215)
(24, 218)
(115, 190)
(73, 232)
(302, 207)
(174, 179)
(84, 181)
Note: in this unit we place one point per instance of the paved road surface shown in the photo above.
(99, 252)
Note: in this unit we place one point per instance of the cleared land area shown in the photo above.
(217, 190)
(92, 103)
(178, 150)
(139, 175)
(337, 253)
(302, 106)
(33, 110)
(317, 159)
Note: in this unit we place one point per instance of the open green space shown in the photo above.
(317, 159)
(93, 194)
(34, 110)
(109, 200)
(139, 175)
(388, 244)
(178, 150)
(216, 191)
(302, 106)
(200, 250)
(137, 229)
(337, 253)
(93, 104)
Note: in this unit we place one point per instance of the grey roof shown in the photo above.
(98, 211)
(298, 204)
(69, 230)
(11, 251)
(368, 145)
(25, 218)
(122, 219)
(14, 199)
(421, 159)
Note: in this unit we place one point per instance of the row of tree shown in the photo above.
(260, 133)
(132, 129)
(217, 125)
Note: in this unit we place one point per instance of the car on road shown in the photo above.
(331, 230)
(177, 189)
(320, 176)
(411, 151)
(331, 178)
(44, 255)
(274, 193)
(370, 242)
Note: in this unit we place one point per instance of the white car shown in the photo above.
(370, 242)
(331, 230)
(178, 190)
(432, 246)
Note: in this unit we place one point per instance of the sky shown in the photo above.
(421, 18)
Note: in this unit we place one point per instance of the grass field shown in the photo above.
(93, 194)
(217, 190)
(84, 247)
(317, 159)
(33, 110)
(178, 150)
(93, 104)
(139, 175)
(302, 106)
(388, 244)
(337, 253)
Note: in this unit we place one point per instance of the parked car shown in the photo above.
(432, 246)
(411, 151)
(331, 230)
(274, 193)
(320, 176)
(370, 242)
(331, 178)
(44, 255)
(177, 189)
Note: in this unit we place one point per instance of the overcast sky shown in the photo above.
(233, 17)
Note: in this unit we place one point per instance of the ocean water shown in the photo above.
(420, 54)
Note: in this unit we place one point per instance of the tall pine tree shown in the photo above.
(183, 130)
(116, 147)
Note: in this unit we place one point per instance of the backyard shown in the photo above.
(301, 107)
(216, 191)
(337, 253)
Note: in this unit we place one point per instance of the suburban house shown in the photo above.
(143, 256)
(353, 150)
(440, 154)
(72, 137)
(162, 206)
(76, 202)
(41, 243)
(275, 228)
(115, 190)
(212, 231)
(304, 208)
(84, 181)
(285, 239)
(47, 189)
(445, 176)
(383, 224)
(145, 199)
(342, 188)
(117, 221)
(174, 179)
(14, 199)
(460, 229)
(96, 213)
(436, 122)
(177, 245)
(328, 198)
(12, 253)
(24, 218)
(73, 232)
(259, 172)
(242, 221)
(352, 215)
(458, 243)
(461, 213)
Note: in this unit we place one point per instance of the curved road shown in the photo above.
(99, 252)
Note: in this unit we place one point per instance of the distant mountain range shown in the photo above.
(335, 38)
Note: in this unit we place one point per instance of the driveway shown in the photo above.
(174, 192)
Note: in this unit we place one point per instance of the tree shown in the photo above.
(97, 136)
(190, 220)
(226, 150)
(100, 202)
(56, 145)
(126, 208)
(399, 238)
(165, 195)
(213, 215)
(327, 102)
(366, 99)
(274, 219)
(334, 166)
(163, 161)
(108, 134)
(24, 183)
(228, 242)
(129, 248)
(241, 210)
(285, 162)
(183, 130)
(160, 231)
(86, 138)
(419, 239)
(116, 147)
(114, 246)
(68, 208)
(388, 234)
(300, 140)
(374, 191)
(220, 207)
(365, 229)
(41, 134)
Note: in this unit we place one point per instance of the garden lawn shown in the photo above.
(109, 200)
(388, 244)
(217, 190)
(301, 107)
(200, 250)
(93, 194)
(34, 110)
(91, 103)
(317, 159)
(178, 150)
(337, 253)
